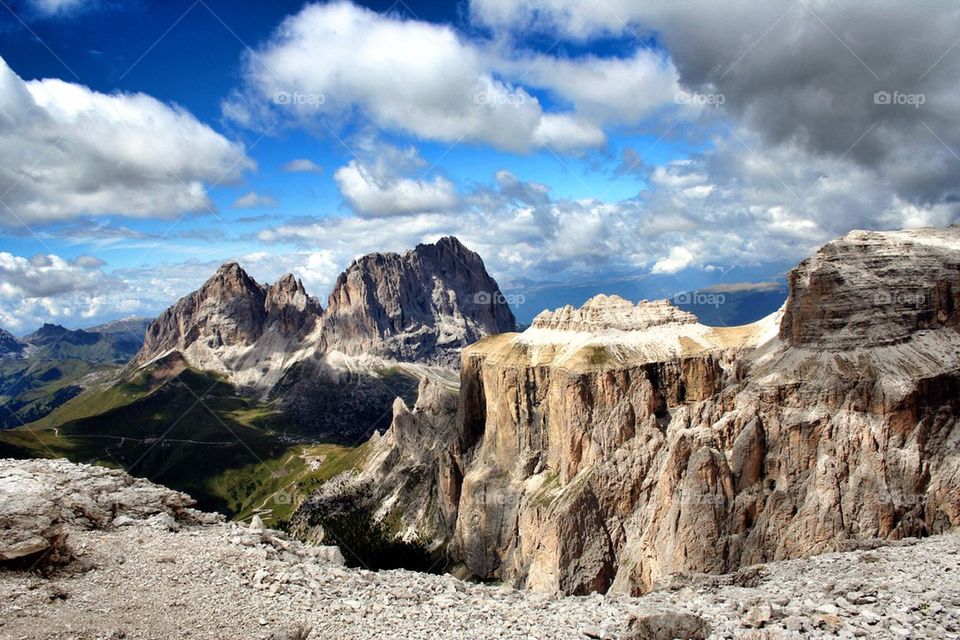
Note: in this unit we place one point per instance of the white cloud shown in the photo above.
(302, 165)
(386, 180)
(254, 200)
(679, 259)
(397, 196)
(67, 151)
(602, 90)
(48, 288)
(331, 60)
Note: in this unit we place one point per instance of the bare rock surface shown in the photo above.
(146, 578)
(423, 306)
(237, 327)
(607, 448)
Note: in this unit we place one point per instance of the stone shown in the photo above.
(758, 616)
(667, 626)
(611, 446)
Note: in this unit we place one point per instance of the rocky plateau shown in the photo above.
(610, 447)
(90, 553)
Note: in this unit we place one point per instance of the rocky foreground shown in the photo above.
(93, 553)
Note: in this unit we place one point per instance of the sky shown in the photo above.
(579, 146)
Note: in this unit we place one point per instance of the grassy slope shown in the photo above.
(191, 431)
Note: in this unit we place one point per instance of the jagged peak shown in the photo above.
(612, 312)
(446, 242)
(231, 268)
(290, 283)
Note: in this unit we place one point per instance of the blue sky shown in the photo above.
(574, 147)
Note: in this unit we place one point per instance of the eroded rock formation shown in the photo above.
(609, 447)
(424, 305)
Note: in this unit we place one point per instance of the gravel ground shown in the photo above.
(157, 578)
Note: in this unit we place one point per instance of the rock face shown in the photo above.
(234, 325)
(425, 305)
(9, 345)
(42, 502)
(613, 471)
(612, 314)
(405, 478)
(607, 448)
(861, 290)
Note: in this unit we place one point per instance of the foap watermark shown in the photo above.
(500, 99)
(714, 100)
(282, 498)
(297, 99)
(700, 299)
(899, 99)
(900, 298)
(496, 297)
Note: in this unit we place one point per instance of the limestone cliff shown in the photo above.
(608, 447)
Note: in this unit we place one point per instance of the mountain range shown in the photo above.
(242, 375)
(52, 365)
(607, 447)
(611, 446)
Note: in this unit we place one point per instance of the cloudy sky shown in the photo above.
(647, 147)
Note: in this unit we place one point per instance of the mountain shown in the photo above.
(235, 326)
(56, 364)
(241, 386)
(10, 346)
(115, 345)
(730, 305)
(423, 306)
(609, 447)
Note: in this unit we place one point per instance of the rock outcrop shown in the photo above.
(596, 461)
(423, 306)
(405, 477)
(607, 448)
(10, 346)
(43, 502)
(871, 289)
(237, 327)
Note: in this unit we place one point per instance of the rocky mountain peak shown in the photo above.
(230, 310)
(290, 310)
(612, 313)
(10, 345)
(426, 304)
(874, 288)
(231, 280)
(51, 334)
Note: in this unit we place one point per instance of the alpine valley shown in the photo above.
(620, 447)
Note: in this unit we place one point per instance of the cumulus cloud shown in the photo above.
(602, 90)
(397, 196)
(68, 151)
(302, 165)
(331, 61)
(43, 276)
(875, 85)
(254, 200)
(385, 180)
(678, 259)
